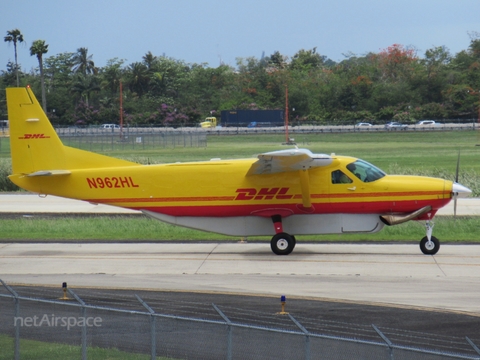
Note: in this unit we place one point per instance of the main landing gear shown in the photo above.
(429, 244)
(281, 243)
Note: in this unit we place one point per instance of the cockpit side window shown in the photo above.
(365, 171)
(339, 177)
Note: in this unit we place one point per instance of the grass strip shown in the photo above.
(138, 228)
(39, 350)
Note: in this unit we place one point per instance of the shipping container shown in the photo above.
(252, 118)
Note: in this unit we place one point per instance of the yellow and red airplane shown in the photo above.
(283, 192)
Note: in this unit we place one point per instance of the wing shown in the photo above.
(288, 160)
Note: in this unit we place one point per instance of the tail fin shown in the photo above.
(35, 146)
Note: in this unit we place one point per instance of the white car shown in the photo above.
(393, 125)
(426, 122)
(110, 126)
(363, 124)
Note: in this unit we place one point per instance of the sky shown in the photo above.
(220, 31)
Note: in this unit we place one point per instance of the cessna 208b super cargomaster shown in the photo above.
(280, 193)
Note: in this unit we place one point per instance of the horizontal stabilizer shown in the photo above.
(288, 160)
(50, 173)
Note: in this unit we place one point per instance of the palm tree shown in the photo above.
(112, 75)
(14, 36)
(84, 86)
(83, 62)
(149, 59)
(138, 78)
(37, 49)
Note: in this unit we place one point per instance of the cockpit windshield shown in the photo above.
(365, 171)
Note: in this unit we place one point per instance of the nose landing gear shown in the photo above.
(429, 244)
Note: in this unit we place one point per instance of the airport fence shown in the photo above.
(69, 327)
(98, 140)
(130, 139)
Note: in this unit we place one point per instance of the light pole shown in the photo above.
(288, 141)
(473, 92)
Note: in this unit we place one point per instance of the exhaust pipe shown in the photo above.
(399, 219)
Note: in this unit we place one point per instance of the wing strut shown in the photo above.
(305, 184)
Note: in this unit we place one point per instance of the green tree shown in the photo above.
(58, 82)
(306, 60)
(149, 60)
(58, 71)
(138, 78)
(395, 62)
(112, 75)
(277, 60)
(83, 63)
(84, 85)
(432, 80)
(9, 76)
(14, 36)
(167, 76)
(37, 49)
(205, 89)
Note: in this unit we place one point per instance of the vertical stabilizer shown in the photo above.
(34, 143)
(35, 146)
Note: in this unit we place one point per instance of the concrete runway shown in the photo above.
(397, 274)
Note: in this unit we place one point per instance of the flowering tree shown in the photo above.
(395, 61)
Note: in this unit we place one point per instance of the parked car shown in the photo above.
(426, 122)
(110, 126)
(363, 124)
(393, 125)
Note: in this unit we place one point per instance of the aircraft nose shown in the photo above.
(460, 191)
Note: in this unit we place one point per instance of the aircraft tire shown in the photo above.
(282, 243)
(429, 250)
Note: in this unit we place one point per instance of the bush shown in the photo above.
(5, 170)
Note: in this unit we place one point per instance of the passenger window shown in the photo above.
(339, 177)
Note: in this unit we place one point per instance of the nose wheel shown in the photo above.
(430, 247)
(429, 244)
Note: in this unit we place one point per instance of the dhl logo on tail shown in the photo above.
(33, 136)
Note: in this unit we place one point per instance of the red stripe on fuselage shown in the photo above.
(377, 207)
(394, 196)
